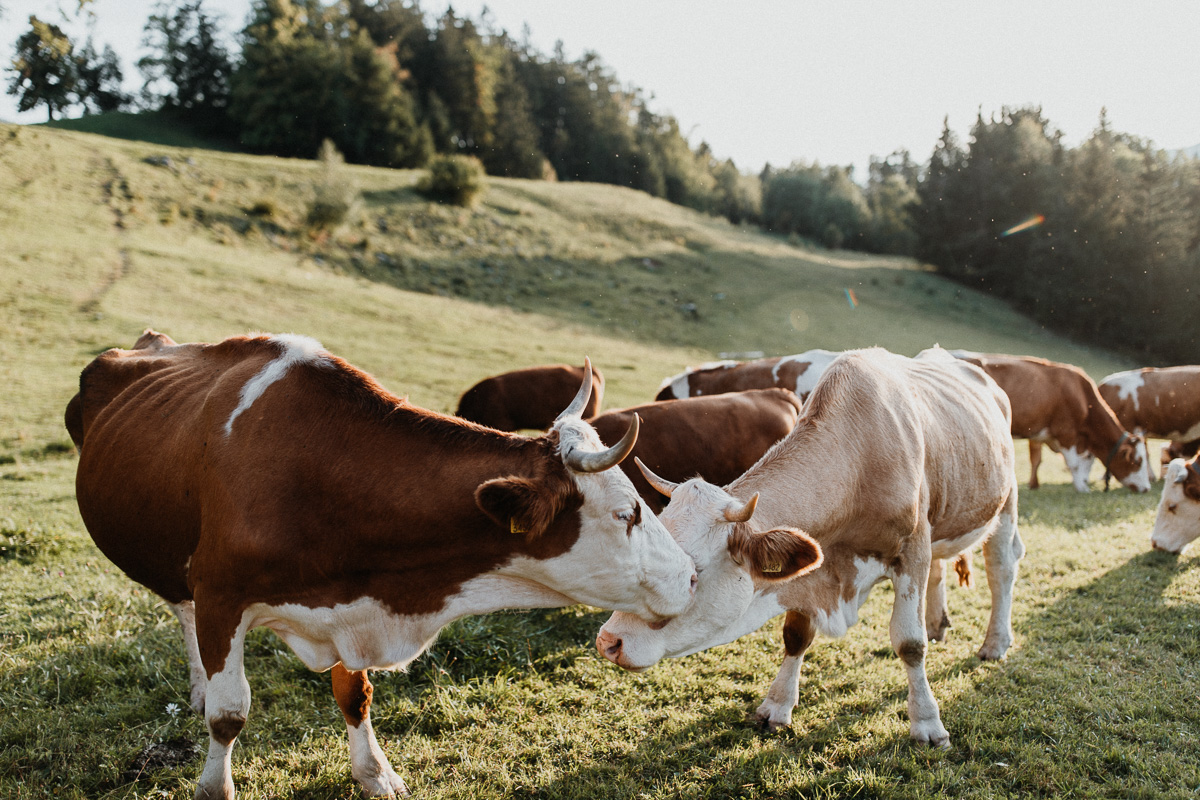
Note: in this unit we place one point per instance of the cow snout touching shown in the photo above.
(609, 646)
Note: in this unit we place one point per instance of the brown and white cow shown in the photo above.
(717, 438)
(1059, 405)
(798, 373)
(895, 465)
(262, 481)
(1158, 402)
(529, 398)
(1177, 523)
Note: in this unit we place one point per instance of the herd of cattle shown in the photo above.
(262, 481)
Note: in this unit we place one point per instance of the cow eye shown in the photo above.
(1171, 507)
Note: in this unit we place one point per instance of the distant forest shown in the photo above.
(1100, 241)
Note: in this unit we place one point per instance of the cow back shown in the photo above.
(528, 398)
(715, 437)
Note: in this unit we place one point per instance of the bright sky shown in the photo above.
(836, 81)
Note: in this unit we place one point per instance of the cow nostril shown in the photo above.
(692, 586)
(613, 651)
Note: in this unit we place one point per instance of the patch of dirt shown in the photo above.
(161, 755)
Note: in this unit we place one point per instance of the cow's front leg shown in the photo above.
(1002, 552)
(185, 612)
(776, 709)
(227, 701)
(368, 764)
(937, 613)
(907, 631)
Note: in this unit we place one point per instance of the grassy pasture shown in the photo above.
(1095, 700)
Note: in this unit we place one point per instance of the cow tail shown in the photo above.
(962, 565)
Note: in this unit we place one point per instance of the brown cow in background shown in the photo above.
(798, 373)
(1162, 402)
(1059, 405)
(717, 438)
(528, 398)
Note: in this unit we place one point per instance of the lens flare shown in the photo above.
(1032, 222)
(851, 299)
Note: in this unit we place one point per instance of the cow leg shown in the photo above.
(1035, 461)
(185, 612)
(907, 630)
(1002, 551)
(226, 703)
(368, 764)
(937, 613)
(776, 708)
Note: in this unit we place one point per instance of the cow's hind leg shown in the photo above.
(1002, 552)
(1035, 461)
(185, 612)
(368, 764)
(221, 638)
(776, 709)
(937, 613)
(907, 630)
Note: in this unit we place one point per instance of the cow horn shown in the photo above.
(605, 459)
(660, 484)
(741, 513)
(581, 397)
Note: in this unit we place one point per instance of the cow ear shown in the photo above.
(777, 554)
(516, 505)
(1176, 471)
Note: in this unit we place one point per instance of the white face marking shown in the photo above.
(1127, 384)
(1177, 523)
(296, 349)
(1080, 466)
(1139, 480)
(839, 619)
(640, 569)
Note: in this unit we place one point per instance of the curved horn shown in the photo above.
(605, 459)
(581, 397)
(660, 484)
(742, 513)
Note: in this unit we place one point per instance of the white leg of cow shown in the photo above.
(937, 613)
(776, 708)
(368, 764)
(1002, 551)
(907, 631)
(185, 612)
(1080, 466)
(226, 706)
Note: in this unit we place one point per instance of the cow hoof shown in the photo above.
(992, 653)
(764, 719)
(387, 784)
(938, 632)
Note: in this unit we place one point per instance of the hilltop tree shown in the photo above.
(43, 69)
(99, 77)
(309, 73)
(188, 68)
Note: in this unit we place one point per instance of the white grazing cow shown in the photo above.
(1178, 519)
(895, 465)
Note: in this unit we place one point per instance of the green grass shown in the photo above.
(1095, 700)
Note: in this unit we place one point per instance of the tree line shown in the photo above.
(1100, 241)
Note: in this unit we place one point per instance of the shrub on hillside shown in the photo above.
(453, 179)
(335, 194)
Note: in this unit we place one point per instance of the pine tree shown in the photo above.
(99, 76)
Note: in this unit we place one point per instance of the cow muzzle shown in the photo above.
(611, 647)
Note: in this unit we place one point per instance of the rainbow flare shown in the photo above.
(1032, 222)
(851, 299)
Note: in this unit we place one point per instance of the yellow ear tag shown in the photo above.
(515, 527)
(773, 566)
